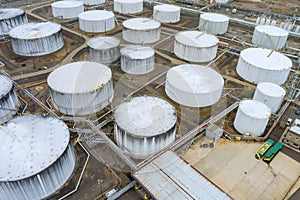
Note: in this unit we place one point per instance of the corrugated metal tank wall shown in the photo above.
(252, 117)
(43, 184)
(141, 30)
(143, 146)
(67, 9)
(271, 37)
(83, 103)
(7, 24)
(270, 94)
(191, 46)
(104, 49)
(213, 23)
(137, 65)
(128, 6)
(166, 13)
(9, 102)
(96, 21)
(38, 47)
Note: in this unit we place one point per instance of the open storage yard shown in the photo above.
(233, 167)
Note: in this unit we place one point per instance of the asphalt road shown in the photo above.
(277, 132)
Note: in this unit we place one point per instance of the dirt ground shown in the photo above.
(280, 6)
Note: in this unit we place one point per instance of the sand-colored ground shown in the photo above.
(233, 167)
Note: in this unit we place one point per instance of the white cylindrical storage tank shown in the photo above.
(166, 13)
(195, 46)
(9, 102)
(271, 37)
(10, 18)
(81, 88)
(128, 6)
(67, 9)
(96, 21)
(104, 49)
(258, 65)
(141, 30)
(252, 117)
(213, 23)
(268, 22)
(38, 159)
(145, 125)
(137, 59)
(282, 24)
(194, 85)
(270, 94)
(36, 39)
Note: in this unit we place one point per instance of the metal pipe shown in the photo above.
(213, 61)
(129, 95)
(280, 113)
(104, 123)
(117, 150)
(160, 84)
(35, 84)
(47, 101)
(30, 95)
(122, 191)
(81, 174)
(162, 40)
(26, 105)
(232, 19)
(184, 139)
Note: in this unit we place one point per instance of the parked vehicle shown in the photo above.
(264, 148)
(272, 152)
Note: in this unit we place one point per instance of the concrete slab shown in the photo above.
(233, 167)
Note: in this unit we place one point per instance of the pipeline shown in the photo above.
(81, 174)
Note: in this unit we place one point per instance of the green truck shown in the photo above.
(264, 148)
(272, 152)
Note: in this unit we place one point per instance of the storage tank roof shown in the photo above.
(34, 30)
(255, 109)
(195, 79)
(67, 4)
(263, 58)
(141, 24)
(214, 17)
(79, 77)
(196, 39)
(129, 1)
(167, 8)
(30, 144)
(271, 89)
(96, 15)
(103, 42)
(8, 13)
(145, 116)
(137, 52)
(5, 85)
(272, 30)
